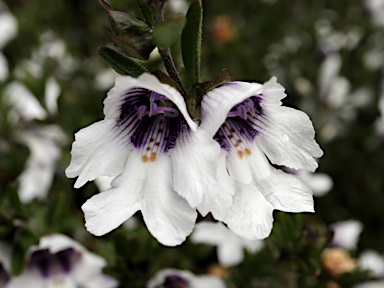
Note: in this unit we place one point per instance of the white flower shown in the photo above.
(59, 261)
(372, 261)
(25, 106)
(346, 233)
(320, 183)
(43, 143)
(249, 123)
(181, 278)
(162, 163)
(8, 31)
(230, 247)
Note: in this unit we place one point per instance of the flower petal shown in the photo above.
(194, 163)
(217, 103)
(100, 149)
(210, 233)
(230, 253)
(286, 136)
(286, 192)
(219, 199)
(168, 216)
(123, 83)
(107, 210)
(250, 216)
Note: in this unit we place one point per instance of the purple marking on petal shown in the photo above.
(47, 263)
(42, 260)
(176, 281)
(147, 116)
(240, 120)
(65, 258)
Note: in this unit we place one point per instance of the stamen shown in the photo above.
(249, 108)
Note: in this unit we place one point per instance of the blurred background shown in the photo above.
(329, 56)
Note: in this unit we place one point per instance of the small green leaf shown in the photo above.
(120, 63)
(191, 40)
(165, 34)
(145, 11)
(18, 259)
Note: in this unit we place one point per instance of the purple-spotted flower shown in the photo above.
(254, 129)
(174, 278)
(59, 261)
(163, 164)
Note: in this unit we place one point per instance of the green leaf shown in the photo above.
(120, 63)
(145, 11)
(165, 34)
(191, 40)
(18, 259)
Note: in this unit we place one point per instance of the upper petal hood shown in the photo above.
(123, 83)
(218, 102)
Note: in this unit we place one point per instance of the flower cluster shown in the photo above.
(167, 166)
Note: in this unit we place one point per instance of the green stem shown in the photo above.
(158, 17)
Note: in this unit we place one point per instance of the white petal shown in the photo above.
(159, 278)
(220, 199)
(89, 268)
(168, 216)
(250, 216)
(217, 103)
(320, 183)
(99, 150)
(194, 166)
(272, 93)
(8, 27)
(98, 281)
(286, 192)
(257, 164)
(239, 168)
(210, 233)
(230, 253)
(27, 279)
(286, 136)
(51, 93)
(36, 179)
(253, 245)
(373, 261)
(58, 242)
(24, 103)
(108, 210)
(346, 233)
(104, 183)
(205, 281)
(150, 82)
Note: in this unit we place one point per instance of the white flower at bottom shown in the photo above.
(183, 279)
(252, 127)
(162, 163)
(59, 261)
(229, 246)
